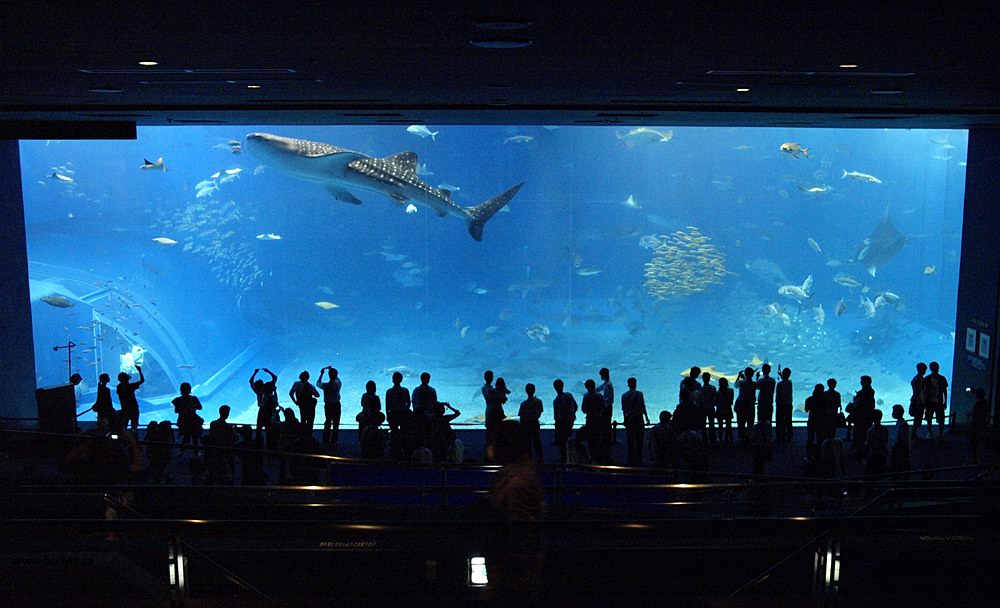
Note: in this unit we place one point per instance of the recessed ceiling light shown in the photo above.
(253, 86)
(742, 90)
(500, 44)
(148, 63)
(848, 66)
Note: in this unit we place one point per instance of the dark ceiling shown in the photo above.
(665, 63)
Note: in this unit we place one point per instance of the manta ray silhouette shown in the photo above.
(882, 245)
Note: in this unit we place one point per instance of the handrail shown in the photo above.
(232, 576)
(808, 545)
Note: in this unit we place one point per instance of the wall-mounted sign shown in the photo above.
(984, 346)
(970, 339)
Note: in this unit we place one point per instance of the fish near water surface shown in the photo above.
(394, 177)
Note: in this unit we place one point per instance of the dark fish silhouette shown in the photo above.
(881, 246)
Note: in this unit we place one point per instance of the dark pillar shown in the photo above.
(17, 351)
(979, 278)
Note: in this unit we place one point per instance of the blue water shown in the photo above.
(557, 287)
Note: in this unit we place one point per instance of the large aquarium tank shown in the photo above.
(540, 252)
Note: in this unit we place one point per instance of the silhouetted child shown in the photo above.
(373, 438)
(663, 444)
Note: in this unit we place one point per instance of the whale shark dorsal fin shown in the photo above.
(343, 195)
(406, 161)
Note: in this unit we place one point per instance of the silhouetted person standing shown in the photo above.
(765, 395)
(189, 422)
(783, 402)
(935, 399)
(917, 398)
(593, 408)
(564, 410)
(397, 409)
(709, 401)
(103, 406)
(724, 410)
(876, 446)
(831, 409)
(745, 399)
(494, 408)
(487, 384)
(864, 410)
(126, 398)
(816, 411)
(529, 415)
(607, 391)
(636, 419)
(267, 405)
(371, 404)
(423, 399)
(331, 405)
(305, 395)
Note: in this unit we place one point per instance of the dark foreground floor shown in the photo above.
(401, 535)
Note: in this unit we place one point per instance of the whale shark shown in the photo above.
(884, 243)
(395, 177)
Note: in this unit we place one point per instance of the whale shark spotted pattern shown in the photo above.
(395, 176)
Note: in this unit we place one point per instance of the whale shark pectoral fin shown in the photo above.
(343, 195)
(398, 198)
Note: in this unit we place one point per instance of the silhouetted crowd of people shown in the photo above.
(416, 426)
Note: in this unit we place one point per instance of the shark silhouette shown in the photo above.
(395, 177)
(883, 244)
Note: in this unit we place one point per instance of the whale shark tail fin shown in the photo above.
(481, 213)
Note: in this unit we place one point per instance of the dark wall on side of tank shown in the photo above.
(17, 351)
(979, 277)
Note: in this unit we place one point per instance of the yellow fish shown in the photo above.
(327, 305)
